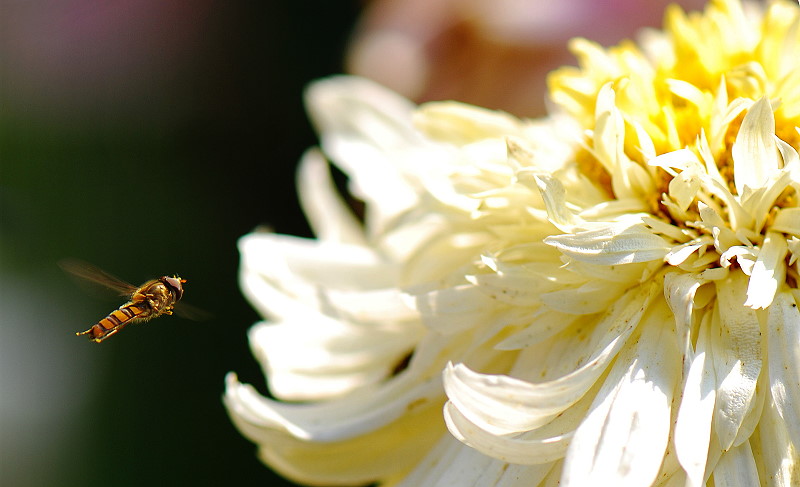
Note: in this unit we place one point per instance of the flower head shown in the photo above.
(606, 296)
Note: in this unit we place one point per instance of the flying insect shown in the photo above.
(152, 299)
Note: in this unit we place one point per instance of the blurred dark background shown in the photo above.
(145, 137)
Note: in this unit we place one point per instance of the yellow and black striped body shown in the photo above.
(114, 322)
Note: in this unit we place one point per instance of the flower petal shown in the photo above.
(755, 155)
(282, 275)
(621, 243)
(783, 335)
(777, 452)
(366, 130)
(592, 297)
(337, 419)
(526, 449)
(628, 179)
(315, 357)
(680, 290)
(455, 309)
(787, 220)
(326, 211)
(769, 271)
(736, 467)
(333, 443)
(522, 285)
(460, 124)
(339, 266)
(451, 463)
(623, 438)
(554, 196)
(545, 323)
(736, 348)
(693, 427)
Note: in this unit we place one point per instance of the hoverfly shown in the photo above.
(152, 299)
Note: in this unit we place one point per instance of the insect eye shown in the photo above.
(174, 283)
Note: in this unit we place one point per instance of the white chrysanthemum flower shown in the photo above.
(607, 296)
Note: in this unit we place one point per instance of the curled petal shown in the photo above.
(614, 244)
(755, 155)
(768, 271)
(555, 200)
(525, 449)
(343, 418)
(332, 443)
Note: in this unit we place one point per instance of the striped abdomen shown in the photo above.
(114, 322)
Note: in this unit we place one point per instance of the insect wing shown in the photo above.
(191, 312)
(90, 273)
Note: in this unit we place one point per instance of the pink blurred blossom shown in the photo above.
(489, 53)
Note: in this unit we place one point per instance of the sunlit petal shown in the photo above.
(623, 438)
(693, 428)
(783, 334)
(736, 467)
